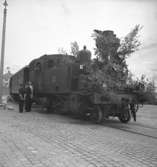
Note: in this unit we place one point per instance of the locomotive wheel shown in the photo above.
(125, 116)
(97, 115)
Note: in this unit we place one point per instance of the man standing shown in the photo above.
(21, 92)
(28, 100)
(32, 94)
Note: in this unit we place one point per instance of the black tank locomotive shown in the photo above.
(58, 85)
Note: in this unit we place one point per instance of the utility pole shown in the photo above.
(3, 49)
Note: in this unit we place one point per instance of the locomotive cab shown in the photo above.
(54, 74)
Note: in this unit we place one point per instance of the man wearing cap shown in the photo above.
(28, 94)
(21, 93)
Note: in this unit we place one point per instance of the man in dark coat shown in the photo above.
(32, 94)
(21, 92)
(28, 100)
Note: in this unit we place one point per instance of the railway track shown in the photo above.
(137, 129)
(134, 128)
(138, 133)
(144, 126)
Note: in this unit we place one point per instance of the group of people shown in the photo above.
(25, 97)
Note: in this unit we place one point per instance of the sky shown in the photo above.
(37, 27)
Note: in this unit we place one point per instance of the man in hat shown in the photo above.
(21, 93)
(28, 99)
(32, 94)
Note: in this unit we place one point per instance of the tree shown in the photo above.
(62, 51)
(74, 48)
(145, 88)
(112, 53)
(130, 43)
(66, 58)
(106, 45)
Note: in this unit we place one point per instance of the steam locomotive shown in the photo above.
(58, 85)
